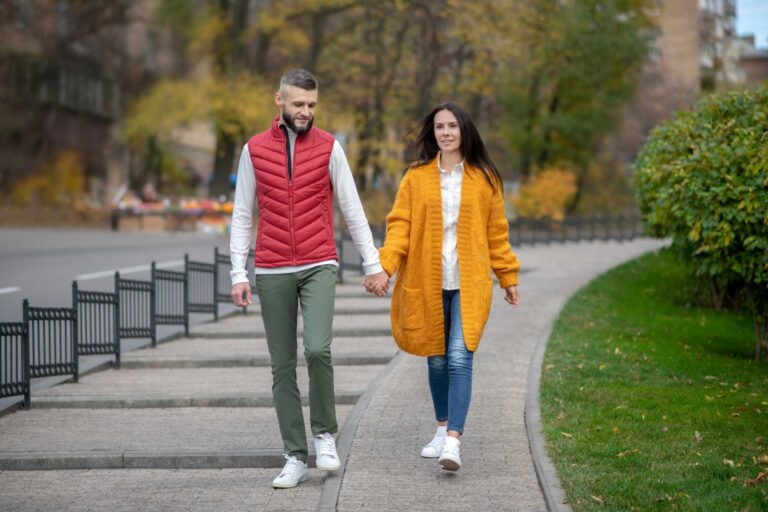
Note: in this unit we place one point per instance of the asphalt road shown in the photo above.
(40, 264)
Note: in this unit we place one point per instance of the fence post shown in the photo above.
(186, 294)
(75, 340)
(116, 324)
(26, 355)
(215, 283)
(153, 305)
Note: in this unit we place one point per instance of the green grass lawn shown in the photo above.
(650, 402)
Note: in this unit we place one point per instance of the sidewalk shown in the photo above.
(189, 425)
(384, 471)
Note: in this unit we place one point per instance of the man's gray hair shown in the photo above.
(298, 77)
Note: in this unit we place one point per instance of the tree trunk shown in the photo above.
(223, 165)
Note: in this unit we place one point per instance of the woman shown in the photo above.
(445, 232)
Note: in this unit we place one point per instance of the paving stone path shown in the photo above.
(190, 425)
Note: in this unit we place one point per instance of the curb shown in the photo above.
(359, 333)
(553, 493)
(329, 495)
(139, 459)
(260, 361)
(163, 402)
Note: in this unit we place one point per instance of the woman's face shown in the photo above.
(447, 131)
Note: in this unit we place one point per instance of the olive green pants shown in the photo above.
(280, 295)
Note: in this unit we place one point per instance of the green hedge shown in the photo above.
(702, 179)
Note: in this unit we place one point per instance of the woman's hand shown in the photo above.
(512, 297)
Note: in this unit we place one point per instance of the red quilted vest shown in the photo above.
(295, 211)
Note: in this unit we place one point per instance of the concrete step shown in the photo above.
(150, 401)
(200, 438)
(251, 326)
(347, 305)
(185, 384)
(222, 352)
(155, 490)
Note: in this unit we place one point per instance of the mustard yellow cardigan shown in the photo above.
(413, 250)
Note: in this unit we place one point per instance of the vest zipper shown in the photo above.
(290, 191)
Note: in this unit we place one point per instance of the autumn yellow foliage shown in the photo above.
(57, 182)
(546, 194)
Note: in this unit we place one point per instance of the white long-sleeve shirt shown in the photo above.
(346, 195)
(450, 195)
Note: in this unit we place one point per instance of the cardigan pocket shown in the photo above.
(412, 309)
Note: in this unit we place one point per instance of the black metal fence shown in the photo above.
(574, 229)
(49, 341)
(136, 304)
(171, 306)
(14, 367)
(202, 284)
(53, 341)
(98, 322)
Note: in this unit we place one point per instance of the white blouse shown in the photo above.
(450, 188)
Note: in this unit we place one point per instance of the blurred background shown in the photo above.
(113, 110)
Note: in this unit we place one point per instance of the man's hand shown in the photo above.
(512, 297)
(377, 283)
(241, 294)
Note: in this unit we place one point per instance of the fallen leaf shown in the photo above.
(597, 499)
(760, 478)
(616, 430)
(697, 436)
(566, 434)
(728, 462)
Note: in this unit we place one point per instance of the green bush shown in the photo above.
(702, 179)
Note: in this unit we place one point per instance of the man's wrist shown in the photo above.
(239, 279)
(373, 269)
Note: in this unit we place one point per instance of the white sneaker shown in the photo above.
(449, 458)
(293, 472)
(435, 446)
(326, 457)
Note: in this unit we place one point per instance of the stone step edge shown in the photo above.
(361, 333)
(129, 363)
(167, 402)
(338, 311)
(145, 459)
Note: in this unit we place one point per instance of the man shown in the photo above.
(293, 171)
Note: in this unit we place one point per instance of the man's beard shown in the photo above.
(288, 120)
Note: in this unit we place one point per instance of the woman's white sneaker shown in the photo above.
(293, 472)
(326, 457)
(450, 459)
(435, 447)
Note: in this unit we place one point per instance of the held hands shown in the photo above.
(512, 297)
(377, 284)
(241, 294)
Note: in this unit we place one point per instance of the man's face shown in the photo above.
(297, 107)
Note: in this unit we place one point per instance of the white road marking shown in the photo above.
(128, 270)
(10, 289)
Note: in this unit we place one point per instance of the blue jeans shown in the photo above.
(450, 375)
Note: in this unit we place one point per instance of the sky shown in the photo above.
(752, 18)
